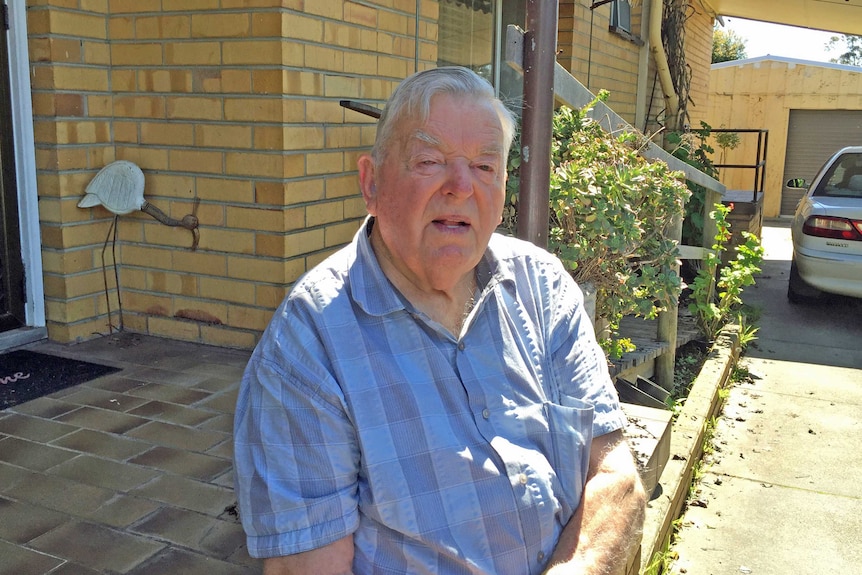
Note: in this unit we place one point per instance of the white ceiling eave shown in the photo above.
(840, 16)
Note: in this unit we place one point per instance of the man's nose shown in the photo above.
(459, 179)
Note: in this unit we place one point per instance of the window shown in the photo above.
(466, 38)
(844, 178)
(621, 16)
(621, 21)
(471, 34)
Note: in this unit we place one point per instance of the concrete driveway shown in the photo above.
(781, 492)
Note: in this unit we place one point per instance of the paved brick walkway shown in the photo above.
(129, 473)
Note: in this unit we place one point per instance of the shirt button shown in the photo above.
(541, 556)
(461, 346)
(523, 478)
(486, 413)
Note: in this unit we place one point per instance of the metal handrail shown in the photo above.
(759, 166)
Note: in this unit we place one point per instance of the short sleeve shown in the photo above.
(295, 451)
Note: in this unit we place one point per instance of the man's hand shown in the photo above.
(598, 538)
(333, 559)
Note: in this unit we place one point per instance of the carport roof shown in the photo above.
(841, 16)
(770, 58)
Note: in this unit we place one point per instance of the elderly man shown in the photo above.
(431, 398)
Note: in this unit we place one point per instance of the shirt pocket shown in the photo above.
(570, 425)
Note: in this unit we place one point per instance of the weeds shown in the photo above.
(689, 361)
(662, 561)
(713, 310)
(747, 331)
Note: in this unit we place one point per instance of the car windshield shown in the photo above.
(843, 179)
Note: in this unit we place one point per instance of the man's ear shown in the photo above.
(368, 182)
(505, 190)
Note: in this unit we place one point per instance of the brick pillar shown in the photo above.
(72, 122)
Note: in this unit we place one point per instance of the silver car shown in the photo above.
(827, 231)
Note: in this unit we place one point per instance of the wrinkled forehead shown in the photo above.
(484, 126)
(422, 138)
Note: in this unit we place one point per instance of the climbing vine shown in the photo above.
(674, 16)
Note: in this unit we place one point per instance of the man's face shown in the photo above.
(438, 195)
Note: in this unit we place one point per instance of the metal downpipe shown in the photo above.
(540, 47)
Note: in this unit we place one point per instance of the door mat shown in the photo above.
(26, 375)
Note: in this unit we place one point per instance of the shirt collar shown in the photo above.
(370, 288)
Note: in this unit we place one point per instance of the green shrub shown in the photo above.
(610, 210)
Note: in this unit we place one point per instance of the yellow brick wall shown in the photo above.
(602, 59)
(231, 103)
(69, 55)
(597, 57)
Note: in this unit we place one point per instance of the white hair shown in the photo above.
(411, 102)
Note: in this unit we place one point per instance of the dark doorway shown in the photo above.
(11, 266)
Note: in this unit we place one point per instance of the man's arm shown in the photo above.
(598, 537)
(333, 559)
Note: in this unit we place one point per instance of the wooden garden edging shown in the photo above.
(686, 445)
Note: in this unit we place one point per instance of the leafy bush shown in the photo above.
(610, 210)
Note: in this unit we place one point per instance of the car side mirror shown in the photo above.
(797, 183)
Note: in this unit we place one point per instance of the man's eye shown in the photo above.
(486, 168)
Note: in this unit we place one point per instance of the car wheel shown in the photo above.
(797, 290)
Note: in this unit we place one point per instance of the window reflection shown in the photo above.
(466, 29)
(471, 34)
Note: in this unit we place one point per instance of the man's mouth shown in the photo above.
(452, 223)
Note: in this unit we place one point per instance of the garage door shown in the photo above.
(812, 137)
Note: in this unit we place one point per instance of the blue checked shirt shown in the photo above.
(442, 455)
